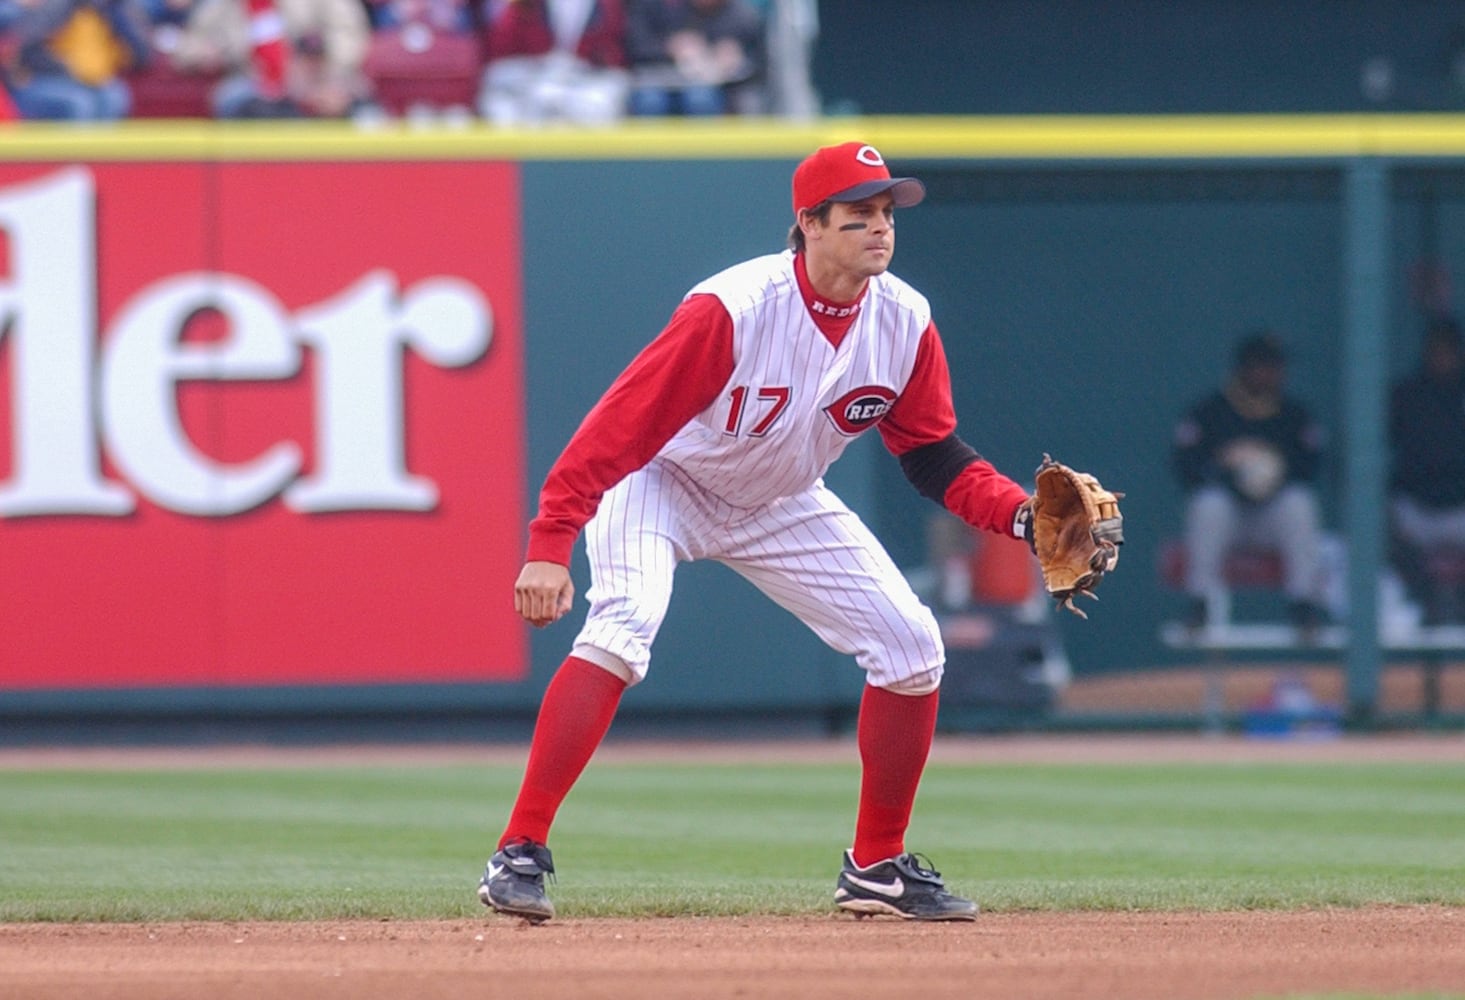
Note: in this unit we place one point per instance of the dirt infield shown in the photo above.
(1070, 956)
(1375, 950)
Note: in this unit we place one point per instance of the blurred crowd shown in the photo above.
(510, 62)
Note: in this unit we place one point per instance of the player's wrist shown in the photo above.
(552, 544)
(1022, 523)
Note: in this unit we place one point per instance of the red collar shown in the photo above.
(832, 318)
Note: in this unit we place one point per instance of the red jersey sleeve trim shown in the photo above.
(924, 413)
(674, 378)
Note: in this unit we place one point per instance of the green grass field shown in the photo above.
(666, 839)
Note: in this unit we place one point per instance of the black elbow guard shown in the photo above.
(931, 468)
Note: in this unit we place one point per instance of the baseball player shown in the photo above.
(711, 445)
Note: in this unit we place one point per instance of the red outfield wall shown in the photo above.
(260, 423)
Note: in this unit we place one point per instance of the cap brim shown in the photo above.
(907, 191)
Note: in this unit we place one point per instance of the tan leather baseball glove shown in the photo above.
(1075, 529)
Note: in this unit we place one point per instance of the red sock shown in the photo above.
(894, 735)
(576, 712)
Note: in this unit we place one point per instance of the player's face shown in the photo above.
(1264, 380)
(860, 236)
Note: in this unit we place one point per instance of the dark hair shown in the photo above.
(1258, 349)
(796, 235)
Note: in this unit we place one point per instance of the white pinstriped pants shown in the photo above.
(810, 553)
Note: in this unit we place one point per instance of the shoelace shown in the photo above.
(538, 853)
(922, 866)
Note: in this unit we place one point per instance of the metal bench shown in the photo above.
(1261, 569)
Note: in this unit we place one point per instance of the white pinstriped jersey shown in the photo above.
(795, 401)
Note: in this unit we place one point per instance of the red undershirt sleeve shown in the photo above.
(985, 498)
(674, 378)
(979, 495)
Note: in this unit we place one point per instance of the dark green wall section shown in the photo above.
(1138, 56)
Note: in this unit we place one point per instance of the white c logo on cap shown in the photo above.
(869, 156)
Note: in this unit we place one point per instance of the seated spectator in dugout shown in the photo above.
(696, 57)
(1427, 484)
(73, 57)
(1248, 457)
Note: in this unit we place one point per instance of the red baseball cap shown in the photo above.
(851, 171)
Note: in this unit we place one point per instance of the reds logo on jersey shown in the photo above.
(860, 408)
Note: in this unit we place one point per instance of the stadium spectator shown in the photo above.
(446, 16)
(425, 58)
(1427, 485)
(280, 58)
(166, 21)
(1248, 458)
(696, 57)
(163, 13)
(10, 11)
(554, 60)
(72, 57)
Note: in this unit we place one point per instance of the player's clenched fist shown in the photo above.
(543, 593)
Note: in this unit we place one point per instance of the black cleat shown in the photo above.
(904, 886)
(513, 882)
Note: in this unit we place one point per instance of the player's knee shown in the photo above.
(608, 662)
(917, 684)
(914, 664)
(1297, 509)
(624, 630)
